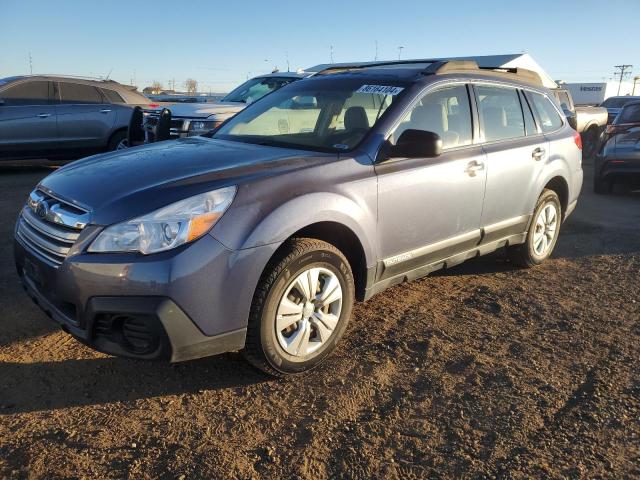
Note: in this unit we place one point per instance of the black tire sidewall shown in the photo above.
(277, 357)
(116, 139)
(546, 198)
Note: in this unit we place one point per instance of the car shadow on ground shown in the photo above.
(52, 385)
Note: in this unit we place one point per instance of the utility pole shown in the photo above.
(400, 52)
(376, 57)
(625, 70)
(30, 64)
(330, 53)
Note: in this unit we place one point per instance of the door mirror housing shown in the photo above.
(417, 144)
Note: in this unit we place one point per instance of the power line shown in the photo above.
(625, 70)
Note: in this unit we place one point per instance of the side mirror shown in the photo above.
(417, 144)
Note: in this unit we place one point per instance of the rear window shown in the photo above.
(27, 93)
(616, 102)
(629, 114)
(548, 116)
(79, 93)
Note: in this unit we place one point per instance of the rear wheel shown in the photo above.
(543, 232)
(590, 142)
(601, 186)
(300, 309)
(119, 141)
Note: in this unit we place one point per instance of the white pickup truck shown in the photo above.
(189, 119)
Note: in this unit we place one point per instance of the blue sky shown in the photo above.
(221, 43)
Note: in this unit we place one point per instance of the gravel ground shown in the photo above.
(483, 371)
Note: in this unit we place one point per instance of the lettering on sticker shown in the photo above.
(380, 89)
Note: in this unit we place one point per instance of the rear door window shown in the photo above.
(500, 113)
(28, 93)
(548, 117)
(79, 93)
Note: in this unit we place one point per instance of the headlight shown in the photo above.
(166, 228)
(198, 128)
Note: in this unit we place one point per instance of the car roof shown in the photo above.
(81, 80)
(429, 69)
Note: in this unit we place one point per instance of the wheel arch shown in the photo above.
(345, 240)
(559, 185)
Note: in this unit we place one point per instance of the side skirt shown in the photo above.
(425, 260)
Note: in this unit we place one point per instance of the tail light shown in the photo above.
(578, 139)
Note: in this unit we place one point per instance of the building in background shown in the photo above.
(596, 93)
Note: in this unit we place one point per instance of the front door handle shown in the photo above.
(473, 167)
(43, 115)
(105, 110)
(538, 153)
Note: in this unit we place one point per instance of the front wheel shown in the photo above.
(543, 232)
(300, 309)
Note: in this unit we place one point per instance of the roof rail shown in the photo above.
(339, 67)
(75, 77)
(438, 66)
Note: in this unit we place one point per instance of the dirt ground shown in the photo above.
(485, 371)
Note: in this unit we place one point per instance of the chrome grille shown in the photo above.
(49, 226)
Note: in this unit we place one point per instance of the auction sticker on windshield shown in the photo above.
(380, 89)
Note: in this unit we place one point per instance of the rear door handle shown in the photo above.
(105, 110)
(473, 167)
(538, 153)
(43, 115)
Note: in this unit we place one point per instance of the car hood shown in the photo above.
(204, 110)
(121, 185)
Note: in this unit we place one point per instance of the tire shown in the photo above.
(118, 141)
(529, 254)
(590, 143)
(602, 187)
(277, 351)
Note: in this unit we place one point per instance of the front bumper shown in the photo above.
(189, 302)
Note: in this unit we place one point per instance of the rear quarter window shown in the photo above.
(112, 96)
(548, 117)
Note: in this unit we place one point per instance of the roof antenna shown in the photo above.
(109, 74)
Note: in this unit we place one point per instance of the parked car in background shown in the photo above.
(614, 106)
(190, 119)
(619, 159)
(260, 235)
(46, 116)
(589, 121)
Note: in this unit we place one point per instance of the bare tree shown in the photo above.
(156, 86)
(191, 85)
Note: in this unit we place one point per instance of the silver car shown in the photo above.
(47, 116)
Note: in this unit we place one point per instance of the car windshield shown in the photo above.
(256, 88)
(616, 102)
(629, 114)
(322, 114)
